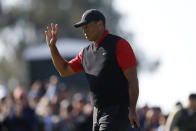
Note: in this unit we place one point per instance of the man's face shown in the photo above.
(91, 31)
(193, 103)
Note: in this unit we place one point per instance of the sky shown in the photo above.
(163, 29)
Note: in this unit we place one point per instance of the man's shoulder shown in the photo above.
(118, 38)
(114, 36)
(182, 112)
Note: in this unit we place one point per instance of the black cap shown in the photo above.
(89, 16)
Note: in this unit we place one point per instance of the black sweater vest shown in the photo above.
(107, 82)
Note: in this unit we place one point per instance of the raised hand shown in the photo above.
(51, 35)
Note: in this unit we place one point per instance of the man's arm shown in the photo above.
(60, 64)
(131, 75)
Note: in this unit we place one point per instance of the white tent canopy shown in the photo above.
(67, 47)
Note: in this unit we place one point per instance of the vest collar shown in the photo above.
(103, 36)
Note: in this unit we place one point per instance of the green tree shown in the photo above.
(23, 23)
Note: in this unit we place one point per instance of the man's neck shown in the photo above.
(99, 36)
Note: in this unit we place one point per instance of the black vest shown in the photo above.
(108, 85)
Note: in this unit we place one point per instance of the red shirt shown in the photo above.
(124, 53)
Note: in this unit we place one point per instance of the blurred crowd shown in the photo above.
(50, 106)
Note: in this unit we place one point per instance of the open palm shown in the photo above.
(51, 35)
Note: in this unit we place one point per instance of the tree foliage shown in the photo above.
(23, 23)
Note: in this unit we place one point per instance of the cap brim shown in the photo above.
(81, 23)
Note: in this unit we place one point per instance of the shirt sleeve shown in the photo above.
(125, 55)
(76, 63)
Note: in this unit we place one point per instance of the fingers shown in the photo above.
(53, 28)
(51, 34)
(53, 31)
(132, 124)
(134, 121)
(49, 30)
(137, 123)
(56, 28)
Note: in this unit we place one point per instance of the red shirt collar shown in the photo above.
(103, 36)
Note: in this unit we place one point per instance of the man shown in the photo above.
(178, 106)
(110, 68)
(185, 118)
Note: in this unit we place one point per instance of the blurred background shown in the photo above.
(161, 33)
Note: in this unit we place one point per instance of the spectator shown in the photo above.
(43, 110)
(35, 94)
(185, 119)
(66, 123)
(177, 107)
(81, 112)
(63, 92)
(4, 108)
(52, 87)
(152, 119)
(22, 117)
(142, 114)
(162, 122)
(58, 110)
(78, 104)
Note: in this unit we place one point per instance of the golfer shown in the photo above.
(109, 64)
